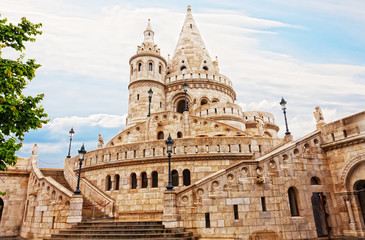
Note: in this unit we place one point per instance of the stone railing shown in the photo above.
(182, 147)
(252, 116)
(218, 109)
(88, 190)
(198, 75)
(47, 201)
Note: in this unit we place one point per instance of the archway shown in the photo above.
(318, 207)
(359, 188)
(180, 106)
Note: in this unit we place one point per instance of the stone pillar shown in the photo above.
(352, 223)
(75, 215)
(170, 217)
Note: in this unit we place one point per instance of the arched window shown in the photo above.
(144, 180)
(175, 178)
(293, 203)
(116, 182)
(205, 68)
(131, 69)
(159, 69)
(315, 181)
(181, 106)
(160, 135)
(1, 207)
(186, 177)
(133, 181)
(154, 179)
(179, 135)
(150, 67)
(182, 68)
(108, 183)
(139, 67)
(203, 102)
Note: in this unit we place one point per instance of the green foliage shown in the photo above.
(18, 113)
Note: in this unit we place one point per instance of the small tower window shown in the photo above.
(175, 178)
(150, 67)
(205, 68)
(144, 180)
(191, 25)
(160, 135)
(133, 181)
(182, 68)
(179, 135)
(139, 67)
(154, 179)
(137, 96)
(131, 69)
(160, 69)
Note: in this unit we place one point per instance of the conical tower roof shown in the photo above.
(190, 51)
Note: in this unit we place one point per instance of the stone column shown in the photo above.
(170, 217)
(75, 215)
(352, 223)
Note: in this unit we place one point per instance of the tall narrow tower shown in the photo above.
(148, 70)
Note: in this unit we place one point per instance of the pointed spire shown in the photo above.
(148, 33)
(190, 51)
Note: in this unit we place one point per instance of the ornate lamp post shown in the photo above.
(71, 132)
(185, 86)
(82, 152)
(169, 144)
(283, 107)
(150, 92)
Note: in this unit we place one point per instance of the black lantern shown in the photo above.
(82, 153)
(71, 132)
(185, 86)
(169, 144)
(150, 92)
(283, 107)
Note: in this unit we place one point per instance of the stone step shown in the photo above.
(111, 227)
(123, 236)
(123, 230)
(118, 231)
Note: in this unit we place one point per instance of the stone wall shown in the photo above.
(14, 183)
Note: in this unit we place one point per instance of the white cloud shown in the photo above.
(63, 124)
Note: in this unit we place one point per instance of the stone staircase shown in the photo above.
(90, 210)
(123, 230)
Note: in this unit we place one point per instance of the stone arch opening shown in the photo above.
(293, 201)
(315, 181)
(144, 180)
(175, 178)
(203, 101)
(180, 106)
(1, 207)
(154, 179)
(179, 135)
(108, 183)
(116, 182)
(133, 181)
(359, 188)
(150, 66)
(186, 177)
(160, 135)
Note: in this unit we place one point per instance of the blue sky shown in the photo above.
(310, 52)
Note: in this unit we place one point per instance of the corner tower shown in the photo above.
(147, 70)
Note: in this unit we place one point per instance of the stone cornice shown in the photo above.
(229, 118)
(192, 84)
(14, 173)
(148, 54)
(177, 158)
(146, 81)
(344, 142)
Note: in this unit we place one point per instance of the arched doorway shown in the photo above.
(359, 188)
(180, 106)
(319, 213)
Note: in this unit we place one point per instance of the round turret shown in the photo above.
(148, 70)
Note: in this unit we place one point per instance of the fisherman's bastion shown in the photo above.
(231, 177)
